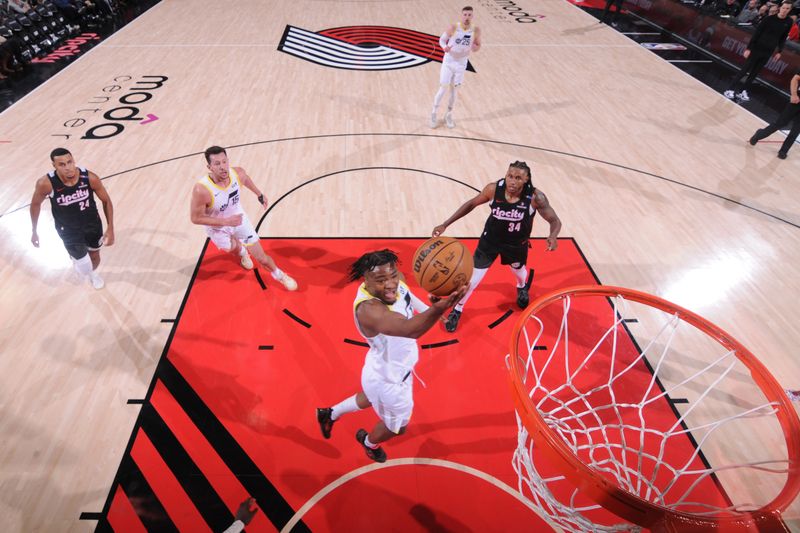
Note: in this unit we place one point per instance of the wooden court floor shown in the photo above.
(648, 169)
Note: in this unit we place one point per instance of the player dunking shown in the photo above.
(457, 42)
(384, 315)
(216, 205)
(514, 203)
(71, 190)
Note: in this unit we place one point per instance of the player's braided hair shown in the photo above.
(370, 260)
(521, 165)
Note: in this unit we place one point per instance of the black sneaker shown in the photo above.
(754, 139)
(325, 421)
(522, 297)
(452, 321)
(376, 454)
(782, 155)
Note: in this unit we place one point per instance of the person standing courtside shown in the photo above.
(514, 203)
(71, 190)
(791, 113)
(768, 38)
(384, 312)
(216, 206)
(457, 42)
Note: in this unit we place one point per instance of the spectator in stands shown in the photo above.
(726, 8)
(18, 6)
(767, 41)
(749, 13)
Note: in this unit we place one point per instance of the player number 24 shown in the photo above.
(84, 205)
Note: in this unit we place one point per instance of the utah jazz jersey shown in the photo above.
(390, 357)
(73, 207)
(225, 201)
(460, 44)
(510, 223)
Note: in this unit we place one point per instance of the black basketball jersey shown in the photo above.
(510, 223)
(73, 207)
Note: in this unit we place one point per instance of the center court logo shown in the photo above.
(363, 47)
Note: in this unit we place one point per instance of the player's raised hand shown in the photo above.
(446, 302)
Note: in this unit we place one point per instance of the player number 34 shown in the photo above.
(514, 227)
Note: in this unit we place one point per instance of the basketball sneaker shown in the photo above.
(794, 395)
(755, 138)
(782, 155)
(729, 94)
(522, 297)
(247, 262)
(434, 122)
(448, 119)
(96, 281)
(743, 96)
(288, 282)
(452, 321)
(376, 454)
(325, 421)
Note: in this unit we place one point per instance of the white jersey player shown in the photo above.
(457, 42)
(384, 312)
(216, 204)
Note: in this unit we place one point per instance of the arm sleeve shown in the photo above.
(236, 527)
(443, 40)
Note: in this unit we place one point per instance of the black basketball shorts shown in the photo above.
(80, 240)
(487, 251)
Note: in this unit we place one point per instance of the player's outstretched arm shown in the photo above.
(486, 195)
(549, 214)
(248, 182)
(40, 192)
(108, 208)
(374, 317)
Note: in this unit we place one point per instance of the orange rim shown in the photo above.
(608, 494)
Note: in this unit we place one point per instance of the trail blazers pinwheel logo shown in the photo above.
(363, 47)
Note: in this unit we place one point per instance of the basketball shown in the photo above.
(442, 265)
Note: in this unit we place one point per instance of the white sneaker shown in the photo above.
(96, 281)
(448, 119)
(288, 282)
(247, 262)
(794, 395)
(728, 94)
(743, 96)
(433, 123)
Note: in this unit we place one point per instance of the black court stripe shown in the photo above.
(135, 401)
(539, 347)
(266, 347)
(260, 281)
(167, 320)
(439, 344)
(501, 319)
(150, 511)
(272, 503)
(191, 478)
(678, 400)
(296, 318)
(91, 516)
(357, 343)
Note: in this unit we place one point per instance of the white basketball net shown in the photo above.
(609, 431)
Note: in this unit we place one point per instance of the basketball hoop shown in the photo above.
(638, 409)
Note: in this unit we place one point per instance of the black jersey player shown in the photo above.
(71, 191)
(514, 203)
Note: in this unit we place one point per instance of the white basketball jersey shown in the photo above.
(392, 358)
(224, 201)
(460, 44)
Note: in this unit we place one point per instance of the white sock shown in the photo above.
(277, 274)
(345, 406)
(521, 274)
(368, 444)
(83, 265)
(453, 95)
(438, 98)
(477, 276)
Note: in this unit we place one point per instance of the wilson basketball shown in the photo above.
(442, 265)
